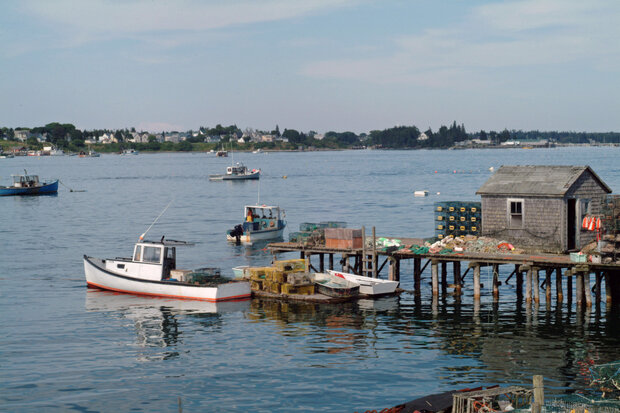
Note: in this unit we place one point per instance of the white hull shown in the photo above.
(368, 285)
(98, 276)
(252, 237)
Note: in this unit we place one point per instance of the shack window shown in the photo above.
(137, 253)
(516, 213)
(584, 208)
(152, 254)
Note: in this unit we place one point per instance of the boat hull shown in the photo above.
(368, 285)
(255, 175)
(333, 286)
(256, 236)
(50, 188)
(97, 276)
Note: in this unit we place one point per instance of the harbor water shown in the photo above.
(68, 348)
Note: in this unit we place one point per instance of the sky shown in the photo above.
(321, 65)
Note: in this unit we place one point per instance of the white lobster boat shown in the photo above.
(152, 271)
(368, 286)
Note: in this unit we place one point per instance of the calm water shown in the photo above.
(65, 347)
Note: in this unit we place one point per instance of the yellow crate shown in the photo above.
(275, 288)
(474, 229)
(439, 226)
(305, 289)
(440, 218)
(452, 218)
(451, 209)
(451, 227)
(257, 273)
(474, 219)
(462, 228)
(463, 219)
(439, 208)
(256, 285)
(296, 265)
(440, 236)
(474, 209)
(288, 288)
(463, 209)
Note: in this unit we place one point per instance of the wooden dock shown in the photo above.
(531, 267)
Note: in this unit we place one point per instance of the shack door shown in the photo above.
(571, 221)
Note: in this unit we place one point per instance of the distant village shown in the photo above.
(68, 137)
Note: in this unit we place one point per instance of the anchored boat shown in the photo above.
(152, 271)
(29, 185)
(236, 172)
(368, 286)
(262, 222)
(332, 286)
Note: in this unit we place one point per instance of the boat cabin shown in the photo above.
(238, 169)
(262, 217)
(25, 181)
(151, 260)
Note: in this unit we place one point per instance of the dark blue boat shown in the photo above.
(29, 185)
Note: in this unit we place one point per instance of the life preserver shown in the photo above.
(592, 224)
(598, 224)
(584, 223)
(271, 224)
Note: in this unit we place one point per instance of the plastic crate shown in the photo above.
(576, 257)
(308, 226)
(296, 265)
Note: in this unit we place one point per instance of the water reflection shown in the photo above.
(156, 320)
(486, 343)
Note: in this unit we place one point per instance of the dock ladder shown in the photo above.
(369, 255)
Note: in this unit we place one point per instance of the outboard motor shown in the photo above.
(237, 232)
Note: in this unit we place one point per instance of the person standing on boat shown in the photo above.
(250, 217)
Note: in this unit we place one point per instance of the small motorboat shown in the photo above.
(368, 286)
(262, 222)
(333, 286)
(236, 172)
(29, 185)
(152, 271)
(130, 152)
(89, 154)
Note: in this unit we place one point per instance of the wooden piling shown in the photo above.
(558, 285)
(456, 269)
(495, 282)
(345, 265)
(569, 288)
(586, 289)
(539, 393)
(597, 287)
(476, 281)
(607, 288)
(548, 272)
(417, 275)
(331, 261)
(321, 262)
(535, 287)
(528, 286)
(579, 288)
(435, 278)
(444, 277)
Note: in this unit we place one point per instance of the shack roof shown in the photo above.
(536, 180)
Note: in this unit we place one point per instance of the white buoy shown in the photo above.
(420, 193)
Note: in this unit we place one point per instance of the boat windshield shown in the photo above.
(151, 254)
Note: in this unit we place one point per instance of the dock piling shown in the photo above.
(435, 278)
(476, 281)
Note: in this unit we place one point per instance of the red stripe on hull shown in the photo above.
(180, 297)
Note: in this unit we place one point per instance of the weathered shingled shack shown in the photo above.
(541, 207)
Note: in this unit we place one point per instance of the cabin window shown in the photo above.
(151, 254)
(515, 213)
(137, 253)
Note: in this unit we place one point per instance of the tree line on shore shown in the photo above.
(67, 136)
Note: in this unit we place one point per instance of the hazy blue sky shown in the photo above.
(311, 64)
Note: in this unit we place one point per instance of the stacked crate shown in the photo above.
(313, 232)
(610, 214)
(343, 238)
(457, 218)
(284, 277)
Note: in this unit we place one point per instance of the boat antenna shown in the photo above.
(258, 200)
(159, 216)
